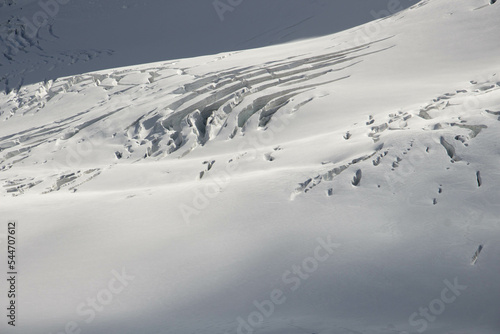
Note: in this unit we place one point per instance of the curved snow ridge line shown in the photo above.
(233, 97)
(452, 131)
(239, 89)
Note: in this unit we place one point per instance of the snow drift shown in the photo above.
(341, 184)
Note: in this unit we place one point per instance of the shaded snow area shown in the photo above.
(344, 184)
(46, 39)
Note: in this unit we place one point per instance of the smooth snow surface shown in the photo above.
(335, 185)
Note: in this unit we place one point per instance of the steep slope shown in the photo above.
(42, 40)
(341, 184)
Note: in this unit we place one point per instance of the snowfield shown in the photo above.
(342, 184)
(48, 39)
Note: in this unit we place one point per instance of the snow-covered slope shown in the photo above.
(42, 40)
(340, 184)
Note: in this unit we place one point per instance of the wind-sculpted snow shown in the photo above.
(43, 40)
(342, 184)
(184, 116)
(166, 108)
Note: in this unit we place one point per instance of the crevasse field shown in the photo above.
(342, 183)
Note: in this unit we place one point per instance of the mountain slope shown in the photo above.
(42, 40)
(334, 185)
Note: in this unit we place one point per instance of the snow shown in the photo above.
(338, 184)
(43, 40)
